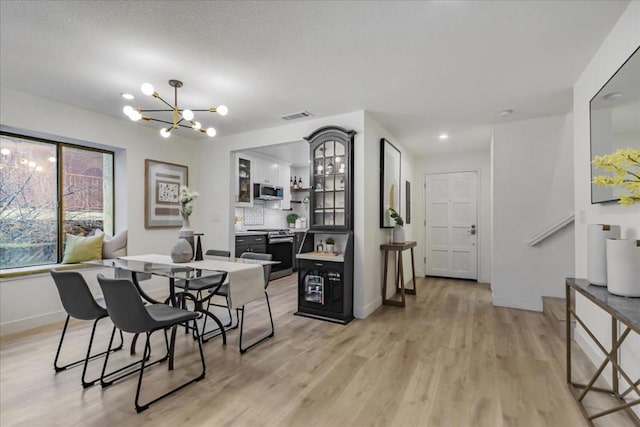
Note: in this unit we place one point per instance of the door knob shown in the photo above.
(473, 230)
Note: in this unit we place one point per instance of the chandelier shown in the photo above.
(181, 118)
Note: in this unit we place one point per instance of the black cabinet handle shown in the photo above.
(319, 264)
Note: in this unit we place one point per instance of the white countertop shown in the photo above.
(314, 256)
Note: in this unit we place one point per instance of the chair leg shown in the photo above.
(106, 379)
(88, 357)
(271, 334)
(142, 407)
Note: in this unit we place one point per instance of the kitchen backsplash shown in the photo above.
(259, 217)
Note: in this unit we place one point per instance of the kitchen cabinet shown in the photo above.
(243, 181)
(251, 243)
(331, 187)
(265, 172)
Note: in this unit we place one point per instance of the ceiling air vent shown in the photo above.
(296, 116)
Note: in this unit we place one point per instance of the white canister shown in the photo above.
(597, 235)
(623, 267)
(298, 223)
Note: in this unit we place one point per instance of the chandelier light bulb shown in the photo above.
(127, 96)
(52, 159)
(147, 89)
(211, 132)
(39, 168)
(165, 133)
(187, 114)
(128, 109)
(5, 151)
(24, 161)
(32, 164)
(222, 110)
(196, 125)
(135, 116)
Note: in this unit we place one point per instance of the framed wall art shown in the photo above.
(407, 199)
(162, 193)
(389, 182)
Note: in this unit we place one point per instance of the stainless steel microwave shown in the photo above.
(267, 192)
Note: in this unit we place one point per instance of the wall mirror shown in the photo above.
(615, 120)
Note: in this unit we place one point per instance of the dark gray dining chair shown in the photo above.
(129, 314)
(199, 286)
(79, 303)
(266, 269)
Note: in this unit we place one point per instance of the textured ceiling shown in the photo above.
(419, 67)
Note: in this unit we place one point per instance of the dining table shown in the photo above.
(244, 277)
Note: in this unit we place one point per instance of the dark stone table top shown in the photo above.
(625, 309)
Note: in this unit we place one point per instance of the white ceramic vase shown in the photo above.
(187, 233)
(398, 234)
(623, 267)
(597, 235)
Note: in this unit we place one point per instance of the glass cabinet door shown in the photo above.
(329, 183)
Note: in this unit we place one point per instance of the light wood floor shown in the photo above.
(448, 359)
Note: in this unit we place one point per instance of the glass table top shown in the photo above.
(171, 271)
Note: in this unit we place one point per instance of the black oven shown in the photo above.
(281, 248)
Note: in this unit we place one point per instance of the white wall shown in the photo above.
(616, 48)
(368, 196)
(479, 161)
(39, 302)
(532, 165)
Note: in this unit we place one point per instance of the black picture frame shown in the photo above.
(407, 198)
(390, 175)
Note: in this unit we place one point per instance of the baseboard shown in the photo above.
(363, 313)
(27, 323)
(521, 304)
(32, 322)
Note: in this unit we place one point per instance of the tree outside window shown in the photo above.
(34, 213)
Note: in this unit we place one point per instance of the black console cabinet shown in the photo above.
(325, 281)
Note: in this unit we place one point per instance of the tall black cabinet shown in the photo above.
(325, 279)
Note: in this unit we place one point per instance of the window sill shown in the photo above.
(12, 273)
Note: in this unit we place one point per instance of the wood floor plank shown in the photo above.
(449, 358)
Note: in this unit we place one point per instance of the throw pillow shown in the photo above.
(115, 246)
(80, 248)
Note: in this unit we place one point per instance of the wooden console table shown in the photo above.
(398, 248)
(625, 311)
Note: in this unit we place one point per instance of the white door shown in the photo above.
(451, 225)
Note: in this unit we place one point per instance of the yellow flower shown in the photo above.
(624, 166)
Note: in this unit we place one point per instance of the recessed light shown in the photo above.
(505, 113)
(127, 96)
(613, 96)
(444, 136)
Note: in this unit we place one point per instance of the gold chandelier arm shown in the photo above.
(169, 123)
(155, 95)
(211, 110)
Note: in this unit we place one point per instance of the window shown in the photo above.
(47, 189)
